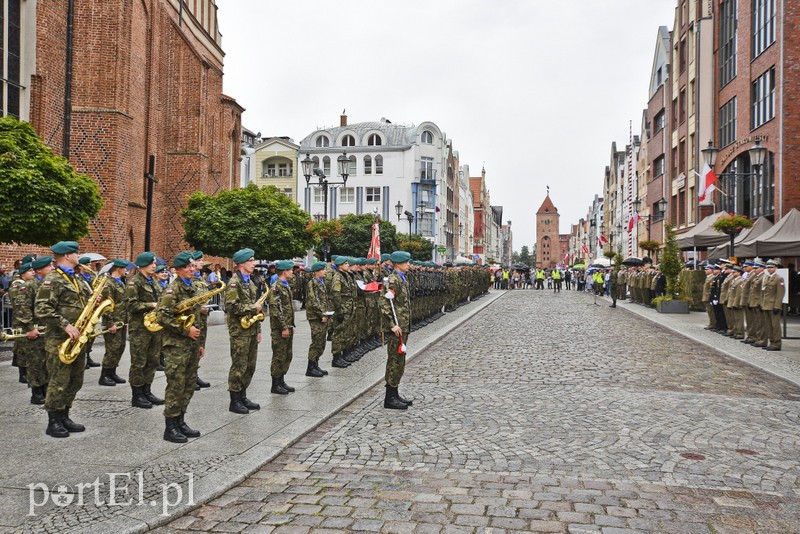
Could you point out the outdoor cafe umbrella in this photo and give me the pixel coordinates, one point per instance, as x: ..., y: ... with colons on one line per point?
x: 579, y: 266
x: 93, y: 257
x: 633, y: 261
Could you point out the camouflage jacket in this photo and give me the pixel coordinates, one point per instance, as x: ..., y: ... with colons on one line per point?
x: 177, y: 291
x: 402, y: 304
x: 316, y: 300
x: 140, y: 297
x: 342, y: 292
x: 59, y: 301
x: 23, y: 298
x: 116, y: 291
x: 281, y: 313
x: 240, y: 302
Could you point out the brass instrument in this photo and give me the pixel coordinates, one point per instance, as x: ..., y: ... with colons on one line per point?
x: 249, y: 321
x: 19, y: 333
x: 151, y: 323
x: 118, y: 324
x: 69, y: 350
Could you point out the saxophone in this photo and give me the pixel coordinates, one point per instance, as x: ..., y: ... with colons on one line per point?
x: 151, y: 323
x: 248, y: 321
x: 69, y: 350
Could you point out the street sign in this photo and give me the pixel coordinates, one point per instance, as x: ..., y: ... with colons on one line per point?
x: 441, y: 249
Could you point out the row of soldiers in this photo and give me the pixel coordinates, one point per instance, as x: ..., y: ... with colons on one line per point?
x: 745, y: 301
x: 645, y: 283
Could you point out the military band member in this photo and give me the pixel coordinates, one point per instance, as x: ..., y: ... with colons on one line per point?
x: 162, y: 276
x: 116, y: 336
x: 201, y: 321
x: 318, y: 311
x: 281, y: 323
x: 240, y: 303
x: 89, y: 277
x: 396, y: 318
x: 773, y: 288
x: 22, y: 293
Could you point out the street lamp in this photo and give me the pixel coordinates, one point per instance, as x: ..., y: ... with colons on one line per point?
x: 661, y: 207
x: 398, y: 208
x: 324, y: 183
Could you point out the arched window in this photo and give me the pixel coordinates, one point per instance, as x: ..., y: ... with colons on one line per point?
x: 374, y: 140
x: 326, y: 165
x: 378, y: 164
x: 348, y: 140
x: 367, y: 165
x: 353, y: 166
x: 315, y: 159
x: 427, y: 137
x: 323, y: 141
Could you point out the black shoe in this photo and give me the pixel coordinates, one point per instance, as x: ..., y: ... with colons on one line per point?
x: 349, y: 356
x: 312, y: 371
x: 277, y: 387
x: 391, y: 401
x: 112, y: 374
x: 149, y: 396
x: 250, y: 405
x: 90, y: 362
x: 407, y: 402
x: 185, y: 429
x: 772, y: 348
x: 287, y: 387
x: 339, y: 362
x: 69, y: 424
x: 236, y: 405
x: 172, y: 432
x: 197, y: 387
x: 202, y: 383
x: 612, y: 305
x: 106, y: 380
x: 318, y: 368
x: 138, y: 400
x: 54, y: 426
x: 23, y: 375
x: 37, y: 395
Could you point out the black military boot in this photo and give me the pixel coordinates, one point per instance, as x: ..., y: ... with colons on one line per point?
x: 90, y: 362
x: 112, y: 374
x: 391, y: 401
x: 23, y: 375
x: 172, y: 432
x: 236, y: 405
x: 149, y: 396
x: 185, y: 429
x: 349, y: 356
x: 277, y: 386
x: 37, y: 395
x: 69, y: 424
x: 313, y: 371
x: 250, y: 405
x: 286, y: 386
x: 161, y: 363
x: 407, y: 402
x: 202, y: 383
x: 321, y: 370
x: 54, y: 426
x: 138, y: 399
x: 106, y: 380
x: 338, y: 361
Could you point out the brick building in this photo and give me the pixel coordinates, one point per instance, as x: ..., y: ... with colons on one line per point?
x: 548, y: 241
x: 130, y: 80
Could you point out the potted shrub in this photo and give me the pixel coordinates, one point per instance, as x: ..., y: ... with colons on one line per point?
x: 671, y: 266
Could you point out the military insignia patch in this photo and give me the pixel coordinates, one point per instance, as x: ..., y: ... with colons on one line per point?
x: 47, y: 282
x: 233, y: 284
x: 131, y: 283
x: 23, y: 288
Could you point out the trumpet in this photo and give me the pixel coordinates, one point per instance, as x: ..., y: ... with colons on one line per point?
x: 248, y: 321
x: 19, y: 333
x: 118, y: 324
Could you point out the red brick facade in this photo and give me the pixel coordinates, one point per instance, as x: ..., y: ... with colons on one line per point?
x: 146, y: 80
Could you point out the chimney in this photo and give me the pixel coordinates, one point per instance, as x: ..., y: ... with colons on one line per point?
x: 343, y: 119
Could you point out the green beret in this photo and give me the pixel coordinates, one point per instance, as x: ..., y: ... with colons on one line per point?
x: 29, y: 258
x: 361, y: 261
x: 161, y: 268
x: 317, y: 266
x: 333, y: 257
x: 64, y: 247
x: 197, y: 254
x: 372, y: 261
x: 243, y: 255
x: 41, y: 262
x: 146, y: 258
x: 385, y: 257
x: 400, y: 256
x: 283, y: 265
x: 341, y: 260
x: 119, y: 262
x: 83, y: 261
x: 182, y: 259
x: 25, y: 267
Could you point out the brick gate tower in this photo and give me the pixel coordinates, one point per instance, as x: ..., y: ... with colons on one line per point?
x: 547, y: 245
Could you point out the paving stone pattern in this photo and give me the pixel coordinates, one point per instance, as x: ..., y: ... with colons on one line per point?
x: 544, y: 413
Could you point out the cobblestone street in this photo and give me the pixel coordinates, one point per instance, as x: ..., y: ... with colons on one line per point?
x: 543, y: 413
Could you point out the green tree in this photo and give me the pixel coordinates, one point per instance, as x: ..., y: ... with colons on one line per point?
x: 671, y: 264
x: 263, y: 219
x: 42, y: 198
x: 515, y: 257
x: 525, y: 256
x: 420, y: 248
x: 357, y: 236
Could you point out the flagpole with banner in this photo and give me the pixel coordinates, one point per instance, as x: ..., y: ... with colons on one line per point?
x: 375, y: 252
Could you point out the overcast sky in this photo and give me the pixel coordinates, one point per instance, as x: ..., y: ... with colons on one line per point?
x: 536, y: 91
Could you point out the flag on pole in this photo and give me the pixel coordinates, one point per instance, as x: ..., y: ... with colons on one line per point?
x: 707, y: 181
x: 633, y: 221
x: 585, y: 249
x: 602, y: 239
x: 375, y: 244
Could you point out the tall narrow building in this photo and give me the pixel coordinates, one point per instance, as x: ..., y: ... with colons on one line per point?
x: 547, y: 245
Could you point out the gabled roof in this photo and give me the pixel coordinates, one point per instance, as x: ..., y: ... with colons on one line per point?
x: 547, y: 206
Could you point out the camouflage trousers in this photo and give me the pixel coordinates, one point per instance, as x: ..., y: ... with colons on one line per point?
x: 65, y: 379
x: 395, y: 363
x: 281, y: 352
x: 182, y: 356
x: 341, y: 335
x: 115, y: 346
x: 31, y: 354
x: 244, y: 354
x: 145, y: 350
x: 319, y: 331
x: 360, y: 324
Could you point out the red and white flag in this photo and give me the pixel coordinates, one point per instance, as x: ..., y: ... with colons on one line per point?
x: 707, y: 181
x: 375, y: 244
x: 585, y: 249
x: 633, y: 222
x: 602, y: 240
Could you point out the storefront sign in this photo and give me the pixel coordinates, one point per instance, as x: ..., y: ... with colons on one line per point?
x: 736, y: 145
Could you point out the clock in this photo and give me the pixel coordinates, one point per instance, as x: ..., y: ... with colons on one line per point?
x: 546, y: 221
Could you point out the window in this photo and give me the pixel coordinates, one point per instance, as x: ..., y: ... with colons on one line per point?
x: 427, y: 138
x: 658, y: 122
x: 269, y: 170
x: 378, y: 164
x: 315, y: 159
x: 348, y: 140
x: 347, y: 195
x: 323, y: 141
x: 682, y: 54
x: 763, y: 25
x: 326, y: 165
x: 373, y: 194
x: 319, y: 195
x: 353, y: 167
x: 674, y: 114
x: 681, y: 157
x: 288, y: 192
x: 367, y: 164
x: 727, y: 42
x: 692, y: 96
x: 374, y: 140
x: 727, y: 123
x: 683, y: 105
x: 284, y: 170
x: 426, y: 169
x: 763, y: 99
x: 10, y: 57
x: 658, y: 166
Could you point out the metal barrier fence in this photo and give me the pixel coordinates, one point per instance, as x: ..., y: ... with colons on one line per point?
x: 5, y: 313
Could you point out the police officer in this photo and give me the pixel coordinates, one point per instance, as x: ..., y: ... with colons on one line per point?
x: 396, y: 312
x: 318, y: 310
x: 116, y: 336
x: 281, y: 324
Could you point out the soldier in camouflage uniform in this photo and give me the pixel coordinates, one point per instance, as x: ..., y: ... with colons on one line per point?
x: 89, y: 277
x: 396, y: 318
x: 37, y: 358
x: 373, y: 314
x: 755, y: 336
x: 281, y: 324
x: 141, y: 297
x: 59, y: 302
x: 342, y: 297
x: 318, y: 310
x: 201, y: 321
x: 241, y: 303
x: 182, y: 350
x: 23, y: 298
x: 116, y: 336
x: 162, y: 277
x: 359, y: 327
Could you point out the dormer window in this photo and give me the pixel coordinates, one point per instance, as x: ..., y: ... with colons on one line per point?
x: 323, y: 141
x: 348, y: 140
x: 374, y: 140
x: 427, y: 138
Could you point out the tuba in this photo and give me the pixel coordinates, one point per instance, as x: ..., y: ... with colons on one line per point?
x: 151, y: 323
x: 69, y: 350
x: 250, y: 320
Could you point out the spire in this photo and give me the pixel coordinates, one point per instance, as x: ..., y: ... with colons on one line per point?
x: 547, y: 206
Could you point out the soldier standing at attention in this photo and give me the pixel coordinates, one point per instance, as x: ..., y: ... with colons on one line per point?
x: 162, y: 276
x: 706, y: 298
x: 115, y: 338
x: 317, y: 308
x: 37, y: 359
x: 182, y: 350
x: 22, y: 293
x: 141, y: 297
x: 59, y: 302
x: 201, y: 321
x: 396, y: 316
x: 281, y: 322
x: 773, y: 288
x: 240, y: 303
x: 339, y: 292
